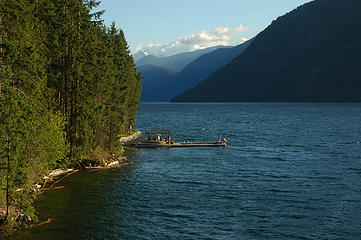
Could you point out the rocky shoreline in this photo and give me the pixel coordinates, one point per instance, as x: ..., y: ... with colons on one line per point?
x: 130, y: 138
x: 112, y: 162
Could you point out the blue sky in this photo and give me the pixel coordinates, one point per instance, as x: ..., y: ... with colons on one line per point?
x: 167, y: 27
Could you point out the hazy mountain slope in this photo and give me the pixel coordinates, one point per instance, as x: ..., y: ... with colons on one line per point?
x: 176, y: 62
x: 139, y: 55
x: 158, y: 79
x: 151, y: 60
x: 206, y: 65
x: 157, y: 83
x: 310, y: 54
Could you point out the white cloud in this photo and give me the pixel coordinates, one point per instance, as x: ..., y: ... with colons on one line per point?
x: 200, y: 40
x: 240, y: 28
x: 243, y: 40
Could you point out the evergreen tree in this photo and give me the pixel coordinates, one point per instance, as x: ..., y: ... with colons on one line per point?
x: 68, y: 88
x: 31, y: 136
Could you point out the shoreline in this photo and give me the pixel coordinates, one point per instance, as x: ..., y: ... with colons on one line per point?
x: 117, y: 161
x: 137, y: 134
x: 51, y: 181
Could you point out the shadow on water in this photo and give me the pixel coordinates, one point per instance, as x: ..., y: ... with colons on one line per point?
x: 89, y: 206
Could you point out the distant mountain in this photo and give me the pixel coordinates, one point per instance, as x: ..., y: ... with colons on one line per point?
x: 311, y: 54
x: 206, y: 65
x: 152, y: 60
x: 170, y: 83
x: 157, y: 83
x: 139, y: 55
x: 176, y: 62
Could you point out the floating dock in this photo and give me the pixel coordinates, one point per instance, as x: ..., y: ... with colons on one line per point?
x: 178, y: 144
x: 155, y: 140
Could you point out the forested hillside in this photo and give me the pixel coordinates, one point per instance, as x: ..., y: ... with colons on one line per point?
x: 68, y: 88
x: 311, y: 54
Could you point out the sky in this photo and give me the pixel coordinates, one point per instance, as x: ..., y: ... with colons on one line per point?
x: 168, y: 27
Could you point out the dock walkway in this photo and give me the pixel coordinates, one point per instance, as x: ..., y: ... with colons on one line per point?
x: 179, y: 144
x: 155, y: 140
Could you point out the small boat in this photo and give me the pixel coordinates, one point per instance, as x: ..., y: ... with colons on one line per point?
x: 155, y: 139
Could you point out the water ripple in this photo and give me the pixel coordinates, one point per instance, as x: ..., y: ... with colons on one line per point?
x: 291, y: 171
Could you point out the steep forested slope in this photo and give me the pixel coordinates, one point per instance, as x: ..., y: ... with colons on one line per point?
x: 310, y: 54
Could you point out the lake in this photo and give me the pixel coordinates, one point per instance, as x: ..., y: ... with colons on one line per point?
x: 290, y: 171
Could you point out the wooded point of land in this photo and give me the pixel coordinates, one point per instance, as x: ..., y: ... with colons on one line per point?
x: 68, y: 89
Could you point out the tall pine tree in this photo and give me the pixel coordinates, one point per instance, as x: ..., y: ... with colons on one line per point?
x: 68, y: 88
x: 32, y: 140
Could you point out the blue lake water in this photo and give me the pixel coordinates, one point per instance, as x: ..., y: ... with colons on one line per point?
x: 291, y: 171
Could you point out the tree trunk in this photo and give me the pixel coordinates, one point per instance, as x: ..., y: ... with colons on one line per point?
x: 7, y: 182
x: 110, y: 135
x: 1, y: 48
x: 8, y: 157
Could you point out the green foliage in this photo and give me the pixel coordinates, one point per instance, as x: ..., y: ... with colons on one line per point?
x: 68, y: 87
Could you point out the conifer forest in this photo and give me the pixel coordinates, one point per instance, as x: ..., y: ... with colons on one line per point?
x: 68, y: 89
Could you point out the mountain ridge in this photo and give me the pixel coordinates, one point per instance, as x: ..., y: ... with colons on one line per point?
x: 157, y: 85
x: 308, y: 55
x: 162, y: 84
x: 206, y: 65
x: 178, y: 61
